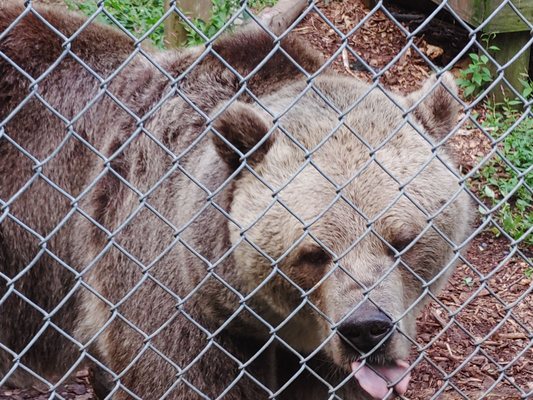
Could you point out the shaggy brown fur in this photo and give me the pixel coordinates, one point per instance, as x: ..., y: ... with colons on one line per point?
x: 115, y: 241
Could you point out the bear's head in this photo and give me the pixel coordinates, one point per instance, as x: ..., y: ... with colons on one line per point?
x: 347, y: 214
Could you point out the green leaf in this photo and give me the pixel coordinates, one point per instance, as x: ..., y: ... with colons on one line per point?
x: 468, y: 281
x: 489, y: 192
x: 469, y: 90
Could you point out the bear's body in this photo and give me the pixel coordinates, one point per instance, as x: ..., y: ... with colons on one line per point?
x: 128, y: 234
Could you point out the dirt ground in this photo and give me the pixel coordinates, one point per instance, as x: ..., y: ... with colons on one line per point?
x: 475, y: 340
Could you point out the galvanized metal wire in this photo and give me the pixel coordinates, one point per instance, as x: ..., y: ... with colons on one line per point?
x: 516, y: 246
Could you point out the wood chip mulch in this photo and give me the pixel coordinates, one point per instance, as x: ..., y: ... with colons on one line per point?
x: 479, y: 333
x: 77, y: 389
x: 379, y: 42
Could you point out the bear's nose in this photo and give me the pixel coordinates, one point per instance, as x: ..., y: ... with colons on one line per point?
x: 366, y: 327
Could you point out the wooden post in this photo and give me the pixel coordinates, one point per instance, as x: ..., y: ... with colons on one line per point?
x: 278, y: 18
x: 510, y: 43
x: 175, y: 33
x: 282, y: 15
x: 511, y: 35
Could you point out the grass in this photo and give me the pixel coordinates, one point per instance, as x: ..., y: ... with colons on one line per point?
x: 140, y: 16
x: 137, y: 16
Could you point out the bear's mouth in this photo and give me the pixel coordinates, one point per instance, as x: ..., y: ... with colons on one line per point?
x: 376, y: 380
x: 377, y: 371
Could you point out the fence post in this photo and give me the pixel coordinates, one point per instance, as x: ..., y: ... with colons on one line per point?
x: 175, y: 33
x: 511, y: 43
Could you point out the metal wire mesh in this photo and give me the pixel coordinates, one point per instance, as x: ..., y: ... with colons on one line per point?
x: 144, y: 214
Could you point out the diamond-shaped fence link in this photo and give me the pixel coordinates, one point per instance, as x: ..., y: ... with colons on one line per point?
x: 245, y: 219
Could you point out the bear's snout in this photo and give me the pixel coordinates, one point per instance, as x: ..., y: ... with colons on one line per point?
x: 366, y: 328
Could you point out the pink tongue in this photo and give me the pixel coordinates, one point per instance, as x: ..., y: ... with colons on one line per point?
x: 375, y: 385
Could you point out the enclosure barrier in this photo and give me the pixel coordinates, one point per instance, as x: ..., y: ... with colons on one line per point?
x: 490, y: 358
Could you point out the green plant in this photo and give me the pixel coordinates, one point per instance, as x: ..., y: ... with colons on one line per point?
x: 508, y: 175
x: 220, y: 14
x: 468, y: 281
x: 258, y: 5
x: 137, y: 16
x: 476, y: 77
x: 527, y: 85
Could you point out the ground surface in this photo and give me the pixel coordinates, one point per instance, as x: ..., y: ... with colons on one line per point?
x: 475, y: 340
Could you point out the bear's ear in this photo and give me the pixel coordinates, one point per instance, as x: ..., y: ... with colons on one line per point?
x: 242, y: 126
x: 438, y: 109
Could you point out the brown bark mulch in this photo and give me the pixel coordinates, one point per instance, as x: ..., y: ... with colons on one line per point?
x: 78, y: 389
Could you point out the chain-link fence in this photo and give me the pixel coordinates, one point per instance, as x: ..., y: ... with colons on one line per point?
x: 306, y: 211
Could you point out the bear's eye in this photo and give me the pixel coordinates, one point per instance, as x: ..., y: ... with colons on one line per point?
x: 314, y: 256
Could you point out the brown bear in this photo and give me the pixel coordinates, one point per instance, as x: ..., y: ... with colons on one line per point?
x: 227, y: 221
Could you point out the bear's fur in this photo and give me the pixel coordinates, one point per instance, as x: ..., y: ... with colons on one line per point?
x: 188, y: 227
